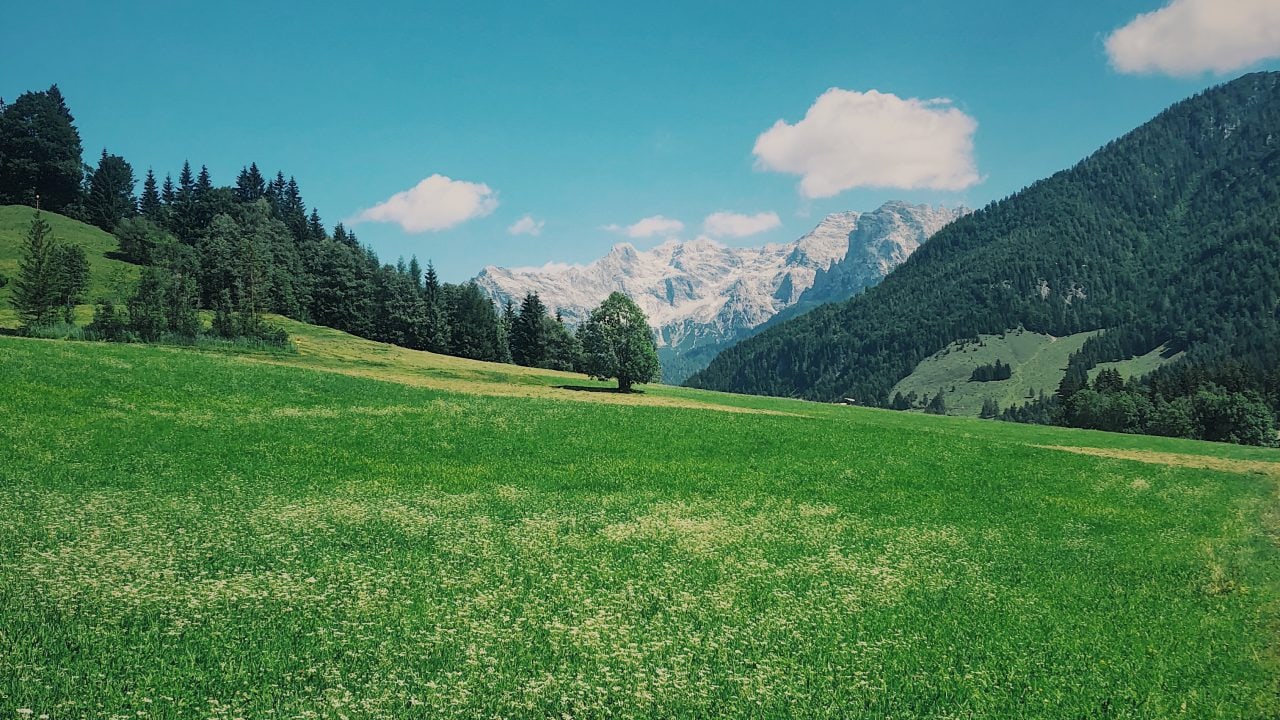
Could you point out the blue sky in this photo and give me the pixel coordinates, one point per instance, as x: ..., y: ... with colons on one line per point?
x: 587, y: 116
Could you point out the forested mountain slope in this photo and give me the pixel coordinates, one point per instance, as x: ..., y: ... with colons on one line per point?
x: 1170, y: 234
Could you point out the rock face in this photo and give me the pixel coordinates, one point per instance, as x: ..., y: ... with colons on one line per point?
x: 702, y: 296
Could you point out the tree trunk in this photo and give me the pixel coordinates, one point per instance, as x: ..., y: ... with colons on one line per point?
x: 624, y: 385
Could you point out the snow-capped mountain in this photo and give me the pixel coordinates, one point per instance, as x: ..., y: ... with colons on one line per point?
x: 702, y: 296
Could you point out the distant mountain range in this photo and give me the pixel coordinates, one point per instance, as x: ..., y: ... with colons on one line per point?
x: 1167, y: 237
x: 702, y: 296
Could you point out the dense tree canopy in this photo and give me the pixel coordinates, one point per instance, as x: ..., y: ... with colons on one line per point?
x: 40, y: 152
x: 617, y: 343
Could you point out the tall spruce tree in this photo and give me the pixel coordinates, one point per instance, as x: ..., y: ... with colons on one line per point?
x: 111, y: 198
x: 168, y: 195
x: 436, y: 331
x: 529, y: 333
x: 564, y: 351
x: 35, y: 289
x: 149, y: 203
x: 473, y: 324
x: 250, y: 185
x: 70, y: 278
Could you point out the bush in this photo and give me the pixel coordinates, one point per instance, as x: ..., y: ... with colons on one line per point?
x: 56, y: 331
x: 109, y: 322
x: 1224, y: 416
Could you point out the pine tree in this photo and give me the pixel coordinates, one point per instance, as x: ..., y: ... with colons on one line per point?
x: 71, y: 278
x: 250, y: 185
x: 473, y: 324
x: 186, y: 182
x: 507, y: 324
x: 202, y: 203
x: 182, y: 216
x: 529, y: 333
x: 168, y: 195
x: 936, y: 405
x: 204, y: 184
x: 315, y: 227
x: 149, y: 204
x: 415, y: 273
x: 564, y: 351
x: 437, y: 322
x: 110, y: 197
x: 35, y: 289
x: 990, y: 409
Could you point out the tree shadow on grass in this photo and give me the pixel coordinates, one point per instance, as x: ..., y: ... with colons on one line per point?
x: 593, y: 388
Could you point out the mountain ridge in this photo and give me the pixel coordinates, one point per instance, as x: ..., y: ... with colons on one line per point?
x: 702, y: 295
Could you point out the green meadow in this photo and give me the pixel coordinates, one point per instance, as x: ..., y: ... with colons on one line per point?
x: 1039, y: 362
x: 357, y: 530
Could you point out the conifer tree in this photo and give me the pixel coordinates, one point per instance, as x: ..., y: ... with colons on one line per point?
x: 436, y: 333
x: 529, y: 333
x: 990, y: 409
x: 936, y: 405
x: 186, y: 181
x: 71, y: 278
x: 168, y: 195
x: 110, y: 197
x: 564, y: 351
x: 315, y: 227
x: 149, y: 204
x: 250, y: 185
x: 35, y: 291
x: 415, y: 272
x: 473, y: 324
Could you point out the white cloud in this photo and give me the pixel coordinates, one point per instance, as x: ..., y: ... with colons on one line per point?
x: 436, y: 203
x: 527, y: 226
x: 648, y: 227
x: 851, y: 139
x: 1189, y: 37
x: 731, y: 224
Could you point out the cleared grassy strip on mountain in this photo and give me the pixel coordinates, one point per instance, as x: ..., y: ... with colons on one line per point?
x: 1039, y: 362
x: 1139, y: 366
x: 186, y: 533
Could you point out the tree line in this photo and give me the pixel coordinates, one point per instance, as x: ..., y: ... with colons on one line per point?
x: 1221, y: 404
x: 254, y: 247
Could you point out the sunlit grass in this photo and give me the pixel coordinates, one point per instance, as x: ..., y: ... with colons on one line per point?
x: 362, y: 531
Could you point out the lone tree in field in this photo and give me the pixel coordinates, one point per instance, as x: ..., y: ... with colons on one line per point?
x: 617, y: 343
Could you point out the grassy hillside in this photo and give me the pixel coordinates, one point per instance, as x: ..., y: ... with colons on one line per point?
x: 1138, y: 366
x: 108, y: 277
x: 360, y: 530
x: 1039, y: 362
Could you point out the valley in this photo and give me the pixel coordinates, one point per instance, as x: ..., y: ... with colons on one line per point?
x: 359, y: 529
x: 702, y: 296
